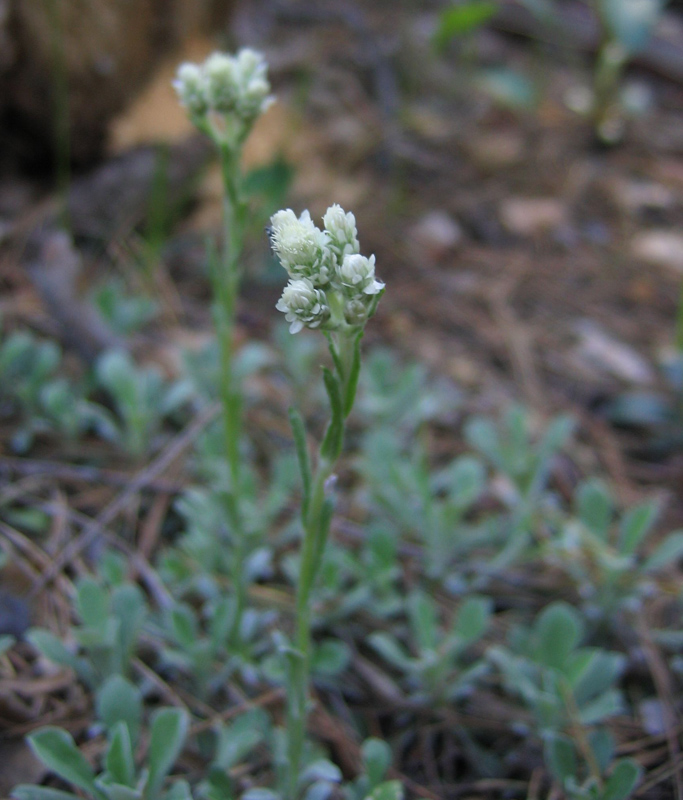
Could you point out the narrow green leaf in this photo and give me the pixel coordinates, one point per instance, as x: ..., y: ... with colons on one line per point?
x: 335, y: 355
x: 331, y: 445
x: 422, y: 614
x: 352, y: 379
x: 169, y: 729
x: 595, y: 507
x: 179, y: 791
x: 608, y: 704
x: 635, y: 525
x: 184, y: 626
x: 472, y: 619
x: 602, y: 744
x: 28, y: 792
x: 390, y: 650
x: 303, y: 459
x: 129, y: 605
x: 57, y: 750
x: 51, y: 647
x: 238, y: 739
x: 117, y: 791
x: 119, y: 760
x: 667, y: 554
x: 463, y: 19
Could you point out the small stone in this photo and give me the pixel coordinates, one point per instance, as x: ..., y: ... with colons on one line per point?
x: 435, y: 235
x: 530, y: 216
x: 496, y: 150
x: 660, y: 247
x: 636, y: 195
x: 600, y: 351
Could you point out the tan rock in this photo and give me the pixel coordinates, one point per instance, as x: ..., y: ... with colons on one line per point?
x: 529, y: 216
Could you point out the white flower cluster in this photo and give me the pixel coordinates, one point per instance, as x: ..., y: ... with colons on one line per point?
x: 231, y: 87
x: 332, y: 286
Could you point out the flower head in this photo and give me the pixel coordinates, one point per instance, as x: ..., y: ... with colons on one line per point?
x: 332, y: 285
x: 300, y: 246
x: 303, y: 304
x: 233, y: 88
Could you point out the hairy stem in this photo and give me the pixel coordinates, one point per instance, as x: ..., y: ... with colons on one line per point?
x: 226, y: 283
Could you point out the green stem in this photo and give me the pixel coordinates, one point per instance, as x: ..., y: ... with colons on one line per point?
x: 316, y: 527
x: 226, y: 283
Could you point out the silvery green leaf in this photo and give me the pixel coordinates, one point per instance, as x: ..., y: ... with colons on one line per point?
x: 260, y: 793
x: 320, y: 790
x: 595, y: 507
x: 422, y: 613
x: 169, y: 729
x: 635, y: 525
x: 57, y: 750
x: 118, y: 700
x: 389, y: 790
x: 92, y: 602
x: 472, y: 619
x: 390, y: 650
x: 622, y: 781
x: 28, y: 792
x: 119, y: 759
x: 321, y: 770
x: 560, y: 756
x: 116, y: 791
x: 598, y: 672
x: 667, y: 554
x: 559, y: 629
x: 377, y: 758
x: 602, y: 744
x: 608, y: 704
x: 237, y: 740
x: 631, y: 22
x: 330, y: 658
x: 184, y: 626
x: 180, y: 790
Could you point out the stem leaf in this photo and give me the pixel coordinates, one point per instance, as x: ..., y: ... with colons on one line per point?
x: 299, y: 432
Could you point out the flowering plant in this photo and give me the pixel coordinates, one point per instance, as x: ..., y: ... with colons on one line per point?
x: 333, y: 288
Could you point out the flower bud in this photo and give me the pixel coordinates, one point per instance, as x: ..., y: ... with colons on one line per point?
x: 356, y: 310
x: 189, y: 85
x: 221, y: 75
x: 303, y: 305
x: 342, y: 233
x: 357, y: 274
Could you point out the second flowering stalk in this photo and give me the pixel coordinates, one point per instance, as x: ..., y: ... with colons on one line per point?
x: 224, y: 96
